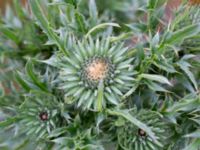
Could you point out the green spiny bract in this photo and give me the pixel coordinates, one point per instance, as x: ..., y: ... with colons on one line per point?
x: 131, y: 137
x: 96, y: 68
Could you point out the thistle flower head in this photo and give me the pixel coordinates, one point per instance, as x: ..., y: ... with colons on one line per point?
x: 132, y: 137
x: 39, y: 115
x: 96, y: 69
x: 97, y: 73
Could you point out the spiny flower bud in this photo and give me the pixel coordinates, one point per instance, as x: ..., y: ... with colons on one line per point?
x: 130, y: 137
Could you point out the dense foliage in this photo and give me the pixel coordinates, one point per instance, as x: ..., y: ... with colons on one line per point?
x: 100, y: 75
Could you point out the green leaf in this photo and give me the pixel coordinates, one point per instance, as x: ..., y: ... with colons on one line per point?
x: 185, y: 67
x: 121, y: 37
x: 93, y: 10
x: 80, y: 21
x: 186, y: 32
x: 22, y: 82
x: 72, y: 2
x: 34, y: 77
x: 45, y: 25
x: 125, y: 114
x: 155, y: 87
x: 195, y: 134
x: 162, y: 64
x: 19, y: 9
x: 135, y: 86
x: 9, y: 34
x: 57, y: 132
x: 155, y: 40
x: 63, y: 140
x: 8, y: 122
x: 100, y: 95
x: 184, y: 105
x: 157, y: 78
x: 152, y: 4
x: 100, y: 26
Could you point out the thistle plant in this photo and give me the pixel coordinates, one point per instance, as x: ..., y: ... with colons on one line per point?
x: 77, y: 75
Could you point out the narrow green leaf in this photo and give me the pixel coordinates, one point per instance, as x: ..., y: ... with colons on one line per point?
x: 122, y: 36
x: 19, y: 9
x: 186, y: 32
x: 195, y: 134
x: 45, y: 25
x: 165, y: 66
x: 157, y: 78
x: 155, y: 40
x: 9, y: 34
x: 8, y: 122
x: 155, y: 87
x: 57, y: 132
x: 63, y: 140
x: 184, y: 105
x: 100, y: 26
x: 135, y: 86
x: 100, y: 95
x: 80, y: 21
x: 22, y: 82
x: 34, y: 78
x: 152, y: 4
x: 185, y: 67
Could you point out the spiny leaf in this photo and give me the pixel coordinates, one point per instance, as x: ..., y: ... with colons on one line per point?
x: 57, y: 132
x: 184, y: 105
x: 43, y: 22
x: 135, y: 86
x: 154, y: 86
x: 185, y: 67
x: 186, y: 32
x: 155, y: 77
x: 34, y: 78
x: 8, y: 122
x: 22, y: 82
x: 80, y: 21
